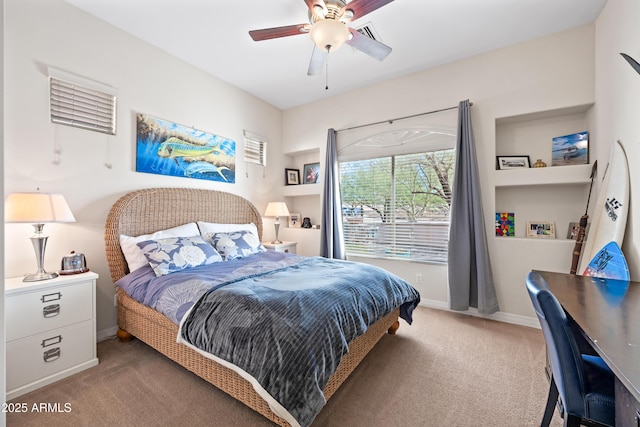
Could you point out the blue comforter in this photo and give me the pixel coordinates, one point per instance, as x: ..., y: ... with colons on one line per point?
x: 286, y: 324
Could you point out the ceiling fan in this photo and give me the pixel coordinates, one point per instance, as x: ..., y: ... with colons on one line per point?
x: 328, y: 29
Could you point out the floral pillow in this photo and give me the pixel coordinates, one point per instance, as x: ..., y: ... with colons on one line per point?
x: 236, y: 245
x: 173, y: 254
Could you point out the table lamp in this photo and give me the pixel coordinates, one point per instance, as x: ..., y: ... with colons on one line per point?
x: 276, y: 209
x: 37, y: 208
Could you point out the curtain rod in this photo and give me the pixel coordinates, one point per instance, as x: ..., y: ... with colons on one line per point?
x: 390, y: 121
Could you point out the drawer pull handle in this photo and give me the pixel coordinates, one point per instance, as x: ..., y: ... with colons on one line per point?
x: 51, y: 297
x: 51, y: 341
x: 51, y: 310
x: 51, y: 355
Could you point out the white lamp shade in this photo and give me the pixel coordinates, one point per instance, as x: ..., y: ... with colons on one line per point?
x: 37, y: 208
x: 329, y: 32
x: 276, y: 209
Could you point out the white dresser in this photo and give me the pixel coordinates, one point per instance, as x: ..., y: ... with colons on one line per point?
x: 50, y: 330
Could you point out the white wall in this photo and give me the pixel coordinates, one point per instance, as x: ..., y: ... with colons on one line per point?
x: 41, y: 33
x: 618, y: 105
x: 3, y: 369
x: 544, y: 74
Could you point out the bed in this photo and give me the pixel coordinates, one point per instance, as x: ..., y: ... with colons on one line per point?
x: 146, y: 211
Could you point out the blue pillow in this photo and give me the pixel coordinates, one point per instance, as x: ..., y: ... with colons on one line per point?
x: 236, y: 244
x: 173, y: 254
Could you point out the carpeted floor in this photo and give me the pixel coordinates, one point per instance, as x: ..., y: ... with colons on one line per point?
x: 447, y: 369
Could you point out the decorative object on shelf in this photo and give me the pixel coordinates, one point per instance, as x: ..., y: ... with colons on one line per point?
x: 306, y: 222
x: 292, y: 176
x: 311, y: 173
x: 294, y: 220
x: 167, y: 148
x: 570, y: 149
x: 505, y: 224
x: 37, y: 208
x: 541, y: 229
x: 513, y: 162
x: 631, y: 62
x: 539, y: 164
x: 276, y: 209
x: 574, y: 228
x: 73, y: 263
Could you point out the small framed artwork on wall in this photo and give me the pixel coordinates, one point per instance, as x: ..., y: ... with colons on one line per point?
x: 292, y: 176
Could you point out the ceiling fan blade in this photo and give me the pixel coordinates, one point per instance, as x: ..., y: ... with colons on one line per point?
x: 312, y: 3
x: 359, y: 8
x: 369, y: 46
x: 318, y: 57
x: 273, y: 33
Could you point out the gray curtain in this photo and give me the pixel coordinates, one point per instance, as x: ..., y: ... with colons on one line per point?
x: 332, y: 236
x: 470, y: 276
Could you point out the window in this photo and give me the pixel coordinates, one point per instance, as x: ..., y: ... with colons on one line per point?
x: 397, y: 206
x: 79, y: 102
x: 255, y: 149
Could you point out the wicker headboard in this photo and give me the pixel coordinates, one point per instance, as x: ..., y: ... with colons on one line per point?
x: 153, y: 209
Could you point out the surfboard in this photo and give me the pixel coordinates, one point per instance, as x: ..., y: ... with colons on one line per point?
x: 609, y: 263
x: 611, y: 208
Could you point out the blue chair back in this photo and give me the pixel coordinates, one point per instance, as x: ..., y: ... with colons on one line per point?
x: 565, y: 359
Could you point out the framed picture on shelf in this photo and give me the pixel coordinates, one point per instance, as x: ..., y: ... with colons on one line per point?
x: 541, y: 229
x: 311, y: 173
x: 292, y: 176
x: 572, y: 232
x: 570, y: 149
x: 505, y: 224
x: 294, y: 220
x: 513, y: 162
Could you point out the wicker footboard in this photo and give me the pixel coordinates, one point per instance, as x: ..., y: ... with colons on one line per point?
x: 157, y: 331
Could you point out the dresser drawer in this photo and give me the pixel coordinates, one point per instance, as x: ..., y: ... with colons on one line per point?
x: 45, y: 354
x: 46, y: 309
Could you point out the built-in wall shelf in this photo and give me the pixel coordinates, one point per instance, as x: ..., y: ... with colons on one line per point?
x: 301, y: 190
x: 558, y: 175
x: 554, y: 194
x: 296, y: 160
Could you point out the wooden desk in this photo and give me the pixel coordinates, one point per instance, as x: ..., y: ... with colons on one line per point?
x: 608, y: 312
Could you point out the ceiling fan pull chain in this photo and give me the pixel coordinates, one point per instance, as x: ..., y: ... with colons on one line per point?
x: 326, y: 73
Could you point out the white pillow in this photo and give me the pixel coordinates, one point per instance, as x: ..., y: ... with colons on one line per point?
x: 212, y: 228
x: 134, y: 256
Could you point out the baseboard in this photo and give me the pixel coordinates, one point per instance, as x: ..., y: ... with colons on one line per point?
x: 106, y: 333
x: 515, y: 319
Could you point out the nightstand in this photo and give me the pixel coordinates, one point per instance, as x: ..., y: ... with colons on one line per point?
x: 50, y: 330
x: 289, y: 247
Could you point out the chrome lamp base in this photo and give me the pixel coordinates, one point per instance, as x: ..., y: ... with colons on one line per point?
x: 39, y: 242
x: 276, y: 224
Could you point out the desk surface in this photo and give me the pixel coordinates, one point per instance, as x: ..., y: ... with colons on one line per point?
x: 608, y: 311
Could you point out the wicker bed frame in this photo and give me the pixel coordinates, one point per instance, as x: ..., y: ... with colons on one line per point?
x: 149, y: 210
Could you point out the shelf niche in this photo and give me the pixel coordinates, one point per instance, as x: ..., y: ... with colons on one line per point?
x: 555, y: 194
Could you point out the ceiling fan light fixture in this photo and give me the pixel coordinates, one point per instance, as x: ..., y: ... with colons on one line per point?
x: 329, y: 34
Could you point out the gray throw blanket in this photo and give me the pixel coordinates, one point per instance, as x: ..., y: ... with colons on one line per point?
x: 290, y: 327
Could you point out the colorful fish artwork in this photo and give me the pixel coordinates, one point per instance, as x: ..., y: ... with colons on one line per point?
x: 167, y: 148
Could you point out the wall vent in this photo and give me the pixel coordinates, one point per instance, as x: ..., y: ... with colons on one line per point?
x: 368, y: 30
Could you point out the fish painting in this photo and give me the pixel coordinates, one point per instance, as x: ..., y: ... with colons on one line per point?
x: 175, y: 148
x: 205, y: 168
x: 167, y: 148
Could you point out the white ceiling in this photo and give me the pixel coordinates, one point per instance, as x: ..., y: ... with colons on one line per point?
x: 213, y: 35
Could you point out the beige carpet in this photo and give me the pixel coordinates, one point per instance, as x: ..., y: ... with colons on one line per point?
x: 447, y: 369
